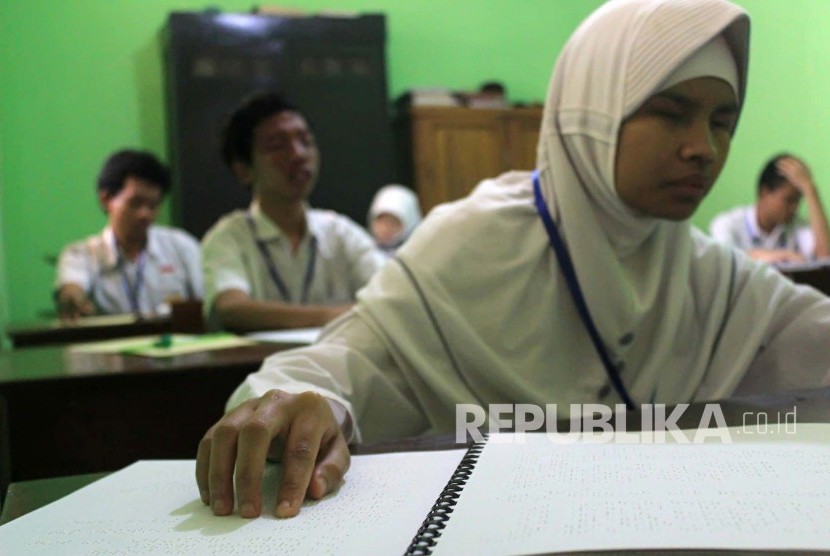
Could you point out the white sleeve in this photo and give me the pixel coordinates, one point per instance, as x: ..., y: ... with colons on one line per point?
x: 806, y: 242
x: 348, y: 364
x: 75, y: 267
x: 794, y: 354
x: 721, y: 230
x: 223, y: 265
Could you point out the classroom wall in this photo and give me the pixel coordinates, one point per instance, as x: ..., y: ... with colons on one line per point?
x: 787, y: 106
x: 82, y: 78
x: 4, y: 299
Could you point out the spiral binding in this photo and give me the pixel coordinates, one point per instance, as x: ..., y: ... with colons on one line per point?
x: 437, y: 518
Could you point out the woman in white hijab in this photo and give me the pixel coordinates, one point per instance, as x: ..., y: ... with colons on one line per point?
x: 393, y: 216
x: 583, y: 283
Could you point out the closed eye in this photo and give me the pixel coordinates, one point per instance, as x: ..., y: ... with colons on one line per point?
x: 725, y: 118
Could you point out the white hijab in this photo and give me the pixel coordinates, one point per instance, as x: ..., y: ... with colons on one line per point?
x: 596, y: 84
x: 478, y: 310
x: 402, y: 203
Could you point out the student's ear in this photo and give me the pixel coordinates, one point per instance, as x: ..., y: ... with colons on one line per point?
x: 242, y: 172
x: 104, y: 198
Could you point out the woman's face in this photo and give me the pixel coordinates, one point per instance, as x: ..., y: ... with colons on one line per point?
x: 671, y: 150
x: 386, y: 228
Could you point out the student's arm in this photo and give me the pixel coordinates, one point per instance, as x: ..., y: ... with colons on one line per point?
x: 364, y: 257
x: 794, y: 354
x: 799, y: 175
x: 772, y: 334
x: 721, y: 230
x: 74, y: 276
x: 238, y: 312
x: 776, y: 255
x: 304, y: 399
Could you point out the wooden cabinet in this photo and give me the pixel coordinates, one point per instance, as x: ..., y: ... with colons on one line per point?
x: 455, y: 148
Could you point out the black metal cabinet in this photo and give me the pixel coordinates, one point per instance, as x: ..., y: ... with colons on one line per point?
x: 333, y: 68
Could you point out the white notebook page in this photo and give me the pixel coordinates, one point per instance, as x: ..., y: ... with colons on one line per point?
x: 540, y: 497
x: 153, y: 507
x: 292, y: 336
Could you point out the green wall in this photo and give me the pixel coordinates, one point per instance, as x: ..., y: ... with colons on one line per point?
x: 786, y: 107
x: 81, y: 78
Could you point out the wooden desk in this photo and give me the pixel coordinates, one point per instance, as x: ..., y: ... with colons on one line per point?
x: 816, y: 275
x: 65, y: 413
x: 53, y: 333
x: 812, y: 406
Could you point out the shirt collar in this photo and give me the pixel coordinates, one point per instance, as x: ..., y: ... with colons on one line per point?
x: 755, y: 229
x: 266, y: 229
x: 112, y: 255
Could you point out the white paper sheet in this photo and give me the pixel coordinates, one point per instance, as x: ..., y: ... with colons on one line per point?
x: 151, y: 346
x: 538, y: 497
x: 153, y: 507
x: 293, y: 336
x: 95, y: 320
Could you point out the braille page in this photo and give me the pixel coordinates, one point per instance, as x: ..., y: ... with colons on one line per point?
x: 153, y: 507
x: 540, y: 497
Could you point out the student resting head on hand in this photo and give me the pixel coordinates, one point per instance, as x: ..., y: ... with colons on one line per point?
x: 769, y: 230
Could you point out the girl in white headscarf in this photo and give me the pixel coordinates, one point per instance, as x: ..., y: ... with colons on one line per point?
x: 582, y: 283
x: 393, y: 216
x: 478, y: 310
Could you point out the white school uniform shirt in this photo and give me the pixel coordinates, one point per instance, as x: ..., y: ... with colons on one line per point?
x: 476, y: 309
x: 169, y: 266
x: 739, y: 228
x: 345, y: 257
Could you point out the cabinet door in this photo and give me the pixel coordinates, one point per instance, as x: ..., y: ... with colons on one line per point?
x: 454, y: 149
x: 523, y: 137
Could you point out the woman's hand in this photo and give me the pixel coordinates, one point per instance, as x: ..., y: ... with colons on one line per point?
x: 299, y: 429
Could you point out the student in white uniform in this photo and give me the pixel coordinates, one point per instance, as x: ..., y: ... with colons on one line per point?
x: 133, y: 265
x: 280, y: 263
x: 393, y: 216
x: 769, y: 230
x: 484, y: 303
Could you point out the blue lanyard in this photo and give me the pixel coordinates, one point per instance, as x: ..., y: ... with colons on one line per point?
x: 272, y: 268
x: 131, y: 290
x: 567, y: 268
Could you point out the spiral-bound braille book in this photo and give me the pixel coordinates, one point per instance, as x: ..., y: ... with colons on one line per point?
x: 509, y: 494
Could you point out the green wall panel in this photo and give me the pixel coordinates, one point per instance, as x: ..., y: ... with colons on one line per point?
x: 786, y: 107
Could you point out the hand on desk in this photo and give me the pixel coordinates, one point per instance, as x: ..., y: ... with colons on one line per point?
x: 300, y: 428
x: 73, y: 303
